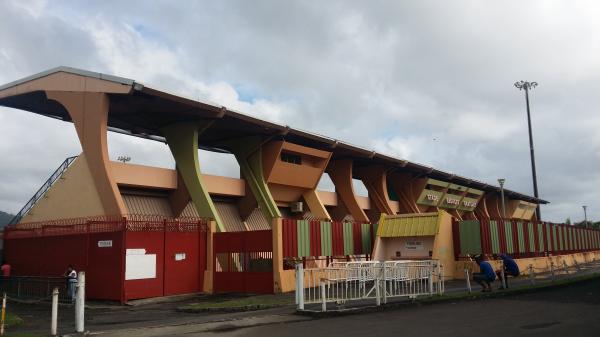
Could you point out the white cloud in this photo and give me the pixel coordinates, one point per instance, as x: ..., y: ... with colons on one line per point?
x: 424, y: 81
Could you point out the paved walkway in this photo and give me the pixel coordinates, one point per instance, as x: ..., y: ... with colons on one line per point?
x: 162, y: 319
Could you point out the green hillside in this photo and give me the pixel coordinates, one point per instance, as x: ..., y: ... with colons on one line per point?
x: 5, y: 218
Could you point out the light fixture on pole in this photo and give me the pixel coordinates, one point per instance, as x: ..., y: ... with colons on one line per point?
x: 524, y: 85
x: 124, y: 159
x: 585, y: 215
x: 501, y: 182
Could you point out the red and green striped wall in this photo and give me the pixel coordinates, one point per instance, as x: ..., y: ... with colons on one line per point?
x: 521, y: 238
x: 304, y: 238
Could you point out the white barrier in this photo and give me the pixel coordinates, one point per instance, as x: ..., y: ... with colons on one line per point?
x: 351, y: 281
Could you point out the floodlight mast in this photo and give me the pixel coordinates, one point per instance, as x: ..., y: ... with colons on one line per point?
x: 525, y: 85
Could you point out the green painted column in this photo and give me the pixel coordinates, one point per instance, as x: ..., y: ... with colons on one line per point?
x: 182, y: 139
x: 248, y: 154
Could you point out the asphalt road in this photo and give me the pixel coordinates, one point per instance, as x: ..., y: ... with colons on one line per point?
x: 569, y: 311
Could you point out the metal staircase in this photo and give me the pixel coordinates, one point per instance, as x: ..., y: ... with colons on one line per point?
x: 42, y: 191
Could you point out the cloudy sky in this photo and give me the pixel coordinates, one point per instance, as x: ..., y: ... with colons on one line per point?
x: 428, y: 81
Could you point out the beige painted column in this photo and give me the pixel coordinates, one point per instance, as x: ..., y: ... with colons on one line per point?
x: 277, y: 255
x: 89, y: 112
x: 207, y: 287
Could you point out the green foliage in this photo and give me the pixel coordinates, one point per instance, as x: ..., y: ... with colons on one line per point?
x: 5, y: 218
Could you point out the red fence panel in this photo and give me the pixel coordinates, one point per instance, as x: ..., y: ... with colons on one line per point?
x: 144, y: 243
x: 290, y: 238
x: 337, y: 238
x: 315, y: 238
x: 185, y: 254
x: 243, y: 262
x: 105, y: 270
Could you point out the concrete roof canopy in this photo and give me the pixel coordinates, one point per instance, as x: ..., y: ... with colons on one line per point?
x: 141, y: 111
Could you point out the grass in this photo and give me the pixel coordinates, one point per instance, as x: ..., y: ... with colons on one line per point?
x: 11, y: 321
x: 240, y: 303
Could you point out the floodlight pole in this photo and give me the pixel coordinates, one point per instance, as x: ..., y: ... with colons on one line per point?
x: 524, y: 85
x: 501, y: 182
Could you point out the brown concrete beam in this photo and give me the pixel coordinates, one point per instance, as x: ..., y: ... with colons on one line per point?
x: 89, y: 112
x: 340, y: 172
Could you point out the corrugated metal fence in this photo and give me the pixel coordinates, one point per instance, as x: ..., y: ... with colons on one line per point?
x: 314, y: 238
x: 100, y: 247
x: 521, y: 238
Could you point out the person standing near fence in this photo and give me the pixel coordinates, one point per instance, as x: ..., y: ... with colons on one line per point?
x: 486, y: 275
x: 511, y: 268
x: 71, y: 276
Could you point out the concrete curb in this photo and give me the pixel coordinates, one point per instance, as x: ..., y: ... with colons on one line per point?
x: 253, y: 307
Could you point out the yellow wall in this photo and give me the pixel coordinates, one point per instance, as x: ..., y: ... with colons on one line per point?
x: 71, y: 196
x: 540, y: 264
x: 443, y: 248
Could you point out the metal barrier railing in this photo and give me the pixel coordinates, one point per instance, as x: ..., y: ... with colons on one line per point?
x: 351, y: 281
x: 34, y: 288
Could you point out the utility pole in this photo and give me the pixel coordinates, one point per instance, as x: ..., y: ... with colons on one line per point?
x: 524, y: 85
x: 585, y: 216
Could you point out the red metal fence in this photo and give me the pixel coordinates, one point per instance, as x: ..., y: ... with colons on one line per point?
x: 100, y: 247
x: 243, y: 262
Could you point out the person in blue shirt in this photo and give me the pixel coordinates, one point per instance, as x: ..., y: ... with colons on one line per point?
x: 511, y: 268
x: 486, y: 275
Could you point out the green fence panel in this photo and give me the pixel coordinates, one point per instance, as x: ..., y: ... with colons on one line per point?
x: 531, y: 238
x: 554, y: 238
x: 540, y: 229
x: 521, y: 237
x: 509, y: 238
x: 495, y: 237
x: 348, y: 239
x: 561, y: 238
x: 571, y: 239
x: 470, y: 237
x: 365, y: 230
x: 326, y: 245
x: 303, y: 229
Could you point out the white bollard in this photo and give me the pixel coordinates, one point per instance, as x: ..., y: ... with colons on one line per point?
x: 377, y: 293
x: 300, y: 286
x: 3, y: 315
x: 468, y: 279
x: 80, y: 303
x: 384, y: 282
x: 323, y: 297
x: 531, y: 275
x: 54, y: 323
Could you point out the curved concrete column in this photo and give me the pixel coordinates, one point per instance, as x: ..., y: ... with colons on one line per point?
x: 375, y: 180
x: 340, y: 172
x: 182, y: 139
x: 89, y: 112
x: 248, y: 154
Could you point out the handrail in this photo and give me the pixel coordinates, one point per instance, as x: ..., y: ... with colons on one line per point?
x: 43, y: 189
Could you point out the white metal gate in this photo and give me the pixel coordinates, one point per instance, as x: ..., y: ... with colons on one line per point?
x: 352, y: 281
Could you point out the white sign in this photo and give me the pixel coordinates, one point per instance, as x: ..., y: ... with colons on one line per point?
x: 179, y: 256
x: 139, y: 267
x: 413, y: 245
x: 135, y: 251
x: 105, y: 243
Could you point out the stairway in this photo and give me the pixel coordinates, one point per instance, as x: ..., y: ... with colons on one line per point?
x: 42, y: 190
